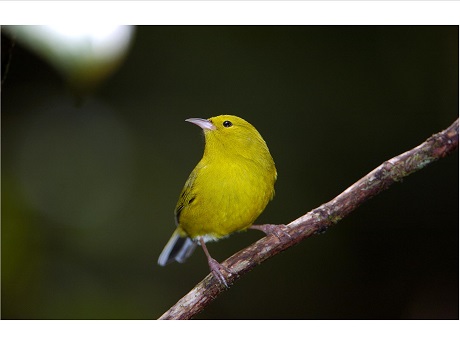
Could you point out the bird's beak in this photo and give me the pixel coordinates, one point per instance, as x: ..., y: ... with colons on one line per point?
x: 204, y: 124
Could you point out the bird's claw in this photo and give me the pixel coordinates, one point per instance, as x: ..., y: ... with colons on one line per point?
x: 280, y: 231
x: 216, y: 270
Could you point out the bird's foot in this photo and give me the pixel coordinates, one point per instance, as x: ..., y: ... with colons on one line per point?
x: 216, y: 270
x: 279, y: 230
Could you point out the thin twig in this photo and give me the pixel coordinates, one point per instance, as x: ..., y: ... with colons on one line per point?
x: 319, y: 219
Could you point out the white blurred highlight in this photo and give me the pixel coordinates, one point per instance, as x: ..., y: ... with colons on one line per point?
x: 84, y: 54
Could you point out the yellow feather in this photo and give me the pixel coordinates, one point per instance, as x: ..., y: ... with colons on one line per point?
x: 228, y: 189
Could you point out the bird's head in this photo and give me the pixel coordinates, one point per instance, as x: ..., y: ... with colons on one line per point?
x: 229, y: 134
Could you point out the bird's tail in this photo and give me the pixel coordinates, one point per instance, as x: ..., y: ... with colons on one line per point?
x: 177, y: 249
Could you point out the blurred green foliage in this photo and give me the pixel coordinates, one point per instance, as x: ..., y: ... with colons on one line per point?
x: 88, y: 190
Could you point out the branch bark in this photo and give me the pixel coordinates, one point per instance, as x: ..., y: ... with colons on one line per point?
x: 437, y: 146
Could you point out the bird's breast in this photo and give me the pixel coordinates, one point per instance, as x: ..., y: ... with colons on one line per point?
x: 229, y: 196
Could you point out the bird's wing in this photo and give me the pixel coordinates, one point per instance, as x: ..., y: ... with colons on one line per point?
x: 186, y: 196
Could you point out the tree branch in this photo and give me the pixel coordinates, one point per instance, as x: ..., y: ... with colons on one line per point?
x: 437, y: 146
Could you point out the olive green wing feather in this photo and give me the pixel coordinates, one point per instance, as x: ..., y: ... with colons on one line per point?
x: 186, y: 196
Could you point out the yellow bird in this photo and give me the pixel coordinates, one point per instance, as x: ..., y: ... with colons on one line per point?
x: 228, y: 189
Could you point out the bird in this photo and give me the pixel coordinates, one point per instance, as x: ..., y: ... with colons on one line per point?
x: 225, y: 193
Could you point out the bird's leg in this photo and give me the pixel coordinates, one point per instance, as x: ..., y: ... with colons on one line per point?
x: 215, y: 267
x: 280, y: 231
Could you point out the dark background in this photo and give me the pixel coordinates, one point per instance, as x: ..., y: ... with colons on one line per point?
x: 88, y: 190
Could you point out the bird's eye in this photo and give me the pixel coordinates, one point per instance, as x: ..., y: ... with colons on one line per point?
x: 227, y: 124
